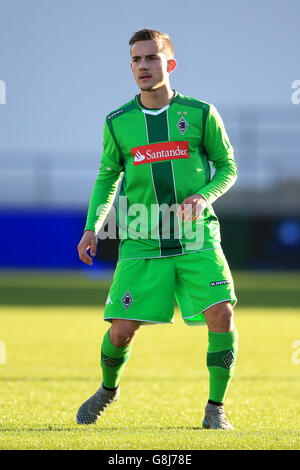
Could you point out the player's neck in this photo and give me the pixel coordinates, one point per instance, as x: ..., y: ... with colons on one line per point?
x: 157, y: 99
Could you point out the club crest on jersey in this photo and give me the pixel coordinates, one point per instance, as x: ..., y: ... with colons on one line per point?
x: 182, y: 125
x: 160, y: 152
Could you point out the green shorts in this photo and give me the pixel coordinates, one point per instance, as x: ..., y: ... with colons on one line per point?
x: 145, y: 289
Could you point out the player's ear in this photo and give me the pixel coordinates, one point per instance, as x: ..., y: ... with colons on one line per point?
x: 171, y: 65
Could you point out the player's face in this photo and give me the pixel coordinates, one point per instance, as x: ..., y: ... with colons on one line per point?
x: 150, y: 66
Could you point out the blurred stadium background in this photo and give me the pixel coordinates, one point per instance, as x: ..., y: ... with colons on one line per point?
x: 65, y: 66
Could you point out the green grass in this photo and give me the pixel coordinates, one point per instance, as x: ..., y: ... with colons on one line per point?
x: 50, y: 288
x: 52, y: 366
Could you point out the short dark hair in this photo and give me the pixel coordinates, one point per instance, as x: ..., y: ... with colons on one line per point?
x: 150, y: 35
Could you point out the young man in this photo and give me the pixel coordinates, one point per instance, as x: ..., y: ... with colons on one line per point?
x: 162, y: 142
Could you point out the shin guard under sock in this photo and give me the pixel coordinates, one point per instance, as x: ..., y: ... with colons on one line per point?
x: 113, y: 361
x: 221, y: 358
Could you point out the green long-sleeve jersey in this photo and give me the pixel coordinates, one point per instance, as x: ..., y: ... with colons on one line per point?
x: 163, y: 156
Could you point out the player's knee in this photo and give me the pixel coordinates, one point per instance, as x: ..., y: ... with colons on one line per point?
x: 122, y: 332
x: 224, y: 316
x: 220, y: 317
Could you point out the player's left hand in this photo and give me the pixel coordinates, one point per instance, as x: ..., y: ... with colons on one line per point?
x: 192, y: 207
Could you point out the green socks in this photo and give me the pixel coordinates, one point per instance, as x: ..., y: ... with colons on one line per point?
x: 113, y: 361
x: 221, y: 358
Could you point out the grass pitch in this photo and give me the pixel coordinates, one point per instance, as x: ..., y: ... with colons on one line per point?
x: 52, y: 366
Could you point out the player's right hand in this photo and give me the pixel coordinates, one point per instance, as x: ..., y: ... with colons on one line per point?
x: 88, y: 241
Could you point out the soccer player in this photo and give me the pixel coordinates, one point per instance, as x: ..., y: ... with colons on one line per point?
x: 161, y: 142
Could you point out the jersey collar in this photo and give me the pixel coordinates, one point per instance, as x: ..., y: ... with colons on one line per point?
x: 152, y: 111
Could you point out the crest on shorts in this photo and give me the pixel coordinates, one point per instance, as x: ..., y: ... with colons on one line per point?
x: 127, y: 300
